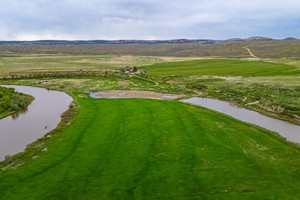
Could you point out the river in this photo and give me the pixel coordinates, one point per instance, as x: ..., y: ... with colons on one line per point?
x: 287, y: 130
x: 40, y: 117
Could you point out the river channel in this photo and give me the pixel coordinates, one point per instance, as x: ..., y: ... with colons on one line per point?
x: 41, y: 116
x: 287, y: 130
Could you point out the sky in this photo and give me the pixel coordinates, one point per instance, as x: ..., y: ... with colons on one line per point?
x: 148, y: 19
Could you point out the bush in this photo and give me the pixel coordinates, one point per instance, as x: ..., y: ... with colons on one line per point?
x: 11, y: 100
x: 8, y: 158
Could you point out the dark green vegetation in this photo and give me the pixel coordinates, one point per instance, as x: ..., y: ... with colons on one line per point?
x: 148, y: 149
x: 221, y: 67
x: 11, y: 101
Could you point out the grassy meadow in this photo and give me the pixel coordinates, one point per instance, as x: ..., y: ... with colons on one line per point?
x: 271, y: 87
x: 11, y: 63
x: 153, y: 149
x: 222, y: 67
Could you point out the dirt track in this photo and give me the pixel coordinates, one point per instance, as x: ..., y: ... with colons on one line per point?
x: 250, y: 53
x: 134, y: 94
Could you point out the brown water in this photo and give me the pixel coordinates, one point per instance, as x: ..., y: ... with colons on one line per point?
x: 40, y: 117
x: 287, y: 130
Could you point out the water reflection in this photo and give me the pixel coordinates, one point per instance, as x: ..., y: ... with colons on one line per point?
x: 16, y: 114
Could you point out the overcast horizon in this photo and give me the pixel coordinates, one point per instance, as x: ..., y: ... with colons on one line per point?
x: 147, y: 20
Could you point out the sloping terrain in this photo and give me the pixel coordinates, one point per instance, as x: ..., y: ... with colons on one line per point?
x: 229, y: 49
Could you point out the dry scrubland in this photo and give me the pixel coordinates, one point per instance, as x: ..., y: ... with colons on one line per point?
x: 230, y: 49
x: 24, y: 63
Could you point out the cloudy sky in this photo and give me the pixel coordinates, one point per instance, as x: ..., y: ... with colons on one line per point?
x: 148, y: 19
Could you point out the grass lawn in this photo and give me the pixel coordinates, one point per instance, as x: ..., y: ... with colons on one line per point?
x: 151, y: 149
x: 221, y: 67
x: 5, y: 113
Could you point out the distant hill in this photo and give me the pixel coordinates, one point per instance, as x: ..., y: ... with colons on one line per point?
x: 234, y: 40
x: 290, y: 38
x: 261, y: 47
x: 258, y: 38
x: 74, y: 42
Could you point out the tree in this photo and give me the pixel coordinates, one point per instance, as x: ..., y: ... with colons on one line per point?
x: 8, y: 158
x: 134, y: 68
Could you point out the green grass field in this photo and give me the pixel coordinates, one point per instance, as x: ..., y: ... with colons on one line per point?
x: 271, y: 87
x: 221, y: 67
x: 150, y: 149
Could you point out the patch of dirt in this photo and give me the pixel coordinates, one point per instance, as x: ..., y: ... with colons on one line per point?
x: 271, y: 108
x: 123, y: 84
x: 228, y: 78
x: 252, y: 103
x: 135, y: 94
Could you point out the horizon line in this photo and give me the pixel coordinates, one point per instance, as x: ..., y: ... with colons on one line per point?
x: 191, y: 39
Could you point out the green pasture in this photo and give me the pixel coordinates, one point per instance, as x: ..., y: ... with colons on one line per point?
x: 221, y: 67
x: 151, y: 149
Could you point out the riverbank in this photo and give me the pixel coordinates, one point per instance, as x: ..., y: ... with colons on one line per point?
x: 11, y: 101
x: 286, y: 130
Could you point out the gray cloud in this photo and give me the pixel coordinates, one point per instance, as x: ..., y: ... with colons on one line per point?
x: 147, y: 19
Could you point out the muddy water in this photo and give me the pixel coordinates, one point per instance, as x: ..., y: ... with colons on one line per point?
x: 41, y: 116
x: 287, y: 130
